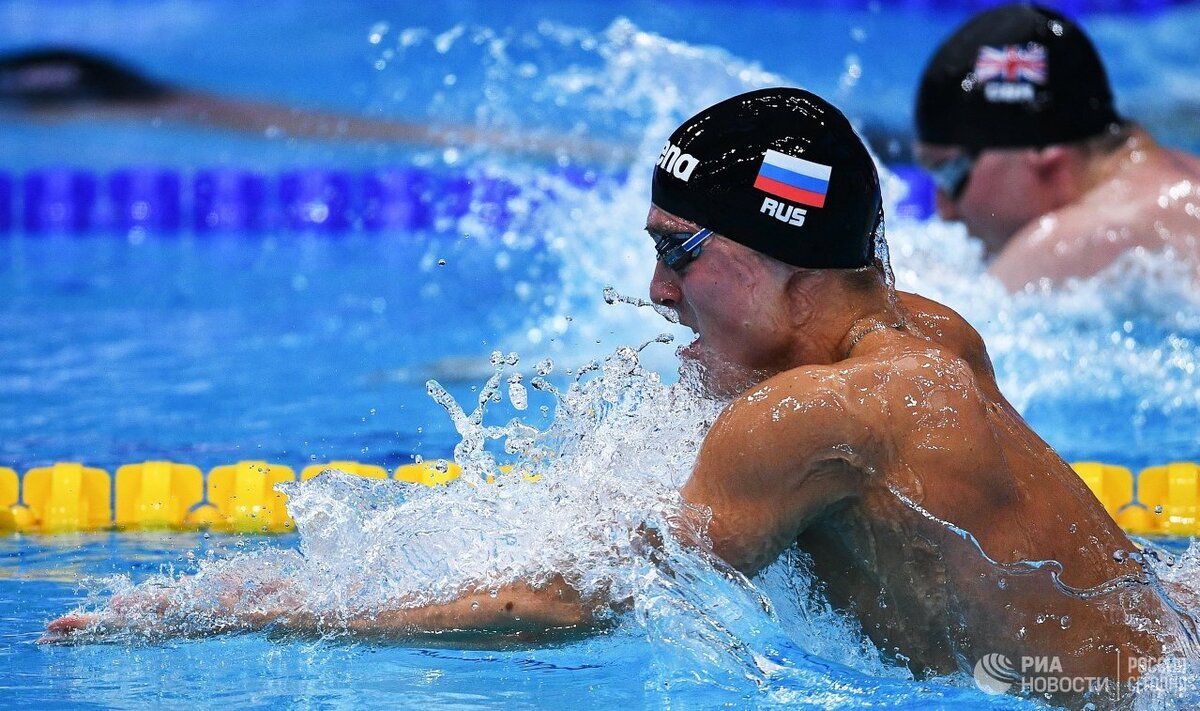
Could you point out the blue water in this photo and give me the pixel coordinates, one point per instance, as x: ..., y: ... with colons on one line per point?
x: 306, y: 347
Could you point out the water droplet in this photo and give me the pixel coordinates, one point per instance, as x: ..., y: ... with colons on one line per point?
x: 378, y: 30
x: 517, y: 392
x: 1158, y: 509
x: 1065, y: 621
x: 441, y: 262
x: 475, y: 605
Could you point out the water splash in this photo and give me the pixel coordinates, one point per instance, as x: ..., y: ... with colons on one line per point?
x: 612, y: 297
x: 623, y: 440
x: 1122, y: 345
x: 608, y: 470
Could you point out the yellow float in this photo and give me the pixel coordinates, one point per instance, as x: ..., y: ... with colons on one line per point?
x: 155, y: 495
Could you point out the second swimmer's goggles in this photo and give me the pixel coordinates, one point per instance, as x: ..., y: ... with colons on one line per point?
x: 951, y: 176
x: 679, y: 249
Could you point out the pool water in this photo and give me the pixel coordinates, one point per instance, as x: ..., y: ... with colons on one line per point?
x: 302, y: 346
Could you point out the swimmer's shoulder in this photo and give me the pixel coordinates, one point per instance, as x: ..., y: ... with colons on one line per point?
x: 956, y: 339
x: 947, y: 330
x: 1188, y: 163
x: 1084, y: 238
x: 807, y: 408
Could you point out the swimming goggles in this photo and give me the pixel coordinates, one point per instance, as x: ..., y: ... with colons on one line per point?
x: 951, y: 176
x: 679, y: 249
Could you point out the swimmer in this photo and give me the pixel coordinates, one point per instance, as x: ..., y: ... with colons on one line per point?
x: 57, y: 84
x: 1015, y: 121
x: 864, y: 428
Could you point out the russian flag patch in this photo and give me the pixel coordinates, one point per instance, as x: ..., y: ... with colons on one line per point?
x: 793, y: 179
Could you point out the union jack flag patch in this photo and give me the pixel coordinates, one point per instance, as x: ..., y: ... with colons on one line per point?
x: 1012, y: 63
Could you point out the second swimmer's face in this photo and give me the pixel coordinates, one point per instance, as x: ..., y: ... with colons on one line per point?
x: 996, y: 193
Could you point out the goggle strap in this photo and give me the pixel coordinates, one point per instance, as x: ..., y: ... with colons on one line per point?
x: 695, y: 240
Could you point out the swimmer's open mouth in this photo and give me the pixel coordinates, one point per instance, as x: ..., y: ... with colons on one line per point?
x: 692, y: 349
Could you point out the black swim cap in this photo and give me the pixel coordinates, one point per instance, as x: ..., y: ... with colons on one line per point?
x: 778, y: 170
x: 1014, y: 76
x: 44, y: 78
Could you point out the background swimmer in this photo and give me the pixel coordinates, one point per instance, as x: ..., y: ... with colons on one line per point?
x: 866, y: 429
x: 66, y: 84
x: 1015, y: 120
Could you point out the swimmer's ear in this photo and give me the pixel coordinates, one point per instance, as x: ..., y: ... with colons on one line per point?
x: 1053, y: 165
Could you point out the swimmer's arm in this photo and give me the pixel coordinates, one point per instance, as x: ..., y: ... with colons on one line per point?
x: 515, y: 612
x: 519, y: 611
x: 770, y: 466
x: 274, y: 120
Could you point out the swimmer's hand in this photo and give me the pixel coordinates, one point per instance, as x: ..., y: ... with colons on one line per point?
x: 61, y: 629
x: 125, y: 612
x: 154, y: 612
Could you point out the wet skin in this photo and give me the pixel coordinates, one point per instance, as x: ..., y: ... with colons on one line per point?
x: 880, y: 446
x: 1060, y: 212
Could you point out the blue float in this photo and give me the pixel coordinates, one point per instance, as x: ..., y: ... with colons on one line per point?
x: 450, y: 195
x: 492, y: 200
x: 6, y: 202
x: 228, y: 200
x: 315, y: 199
x: 392, y: 200
x: 59, y: 200
x: 920, y: 201
x: 147, y: 199
x: 234, y: 200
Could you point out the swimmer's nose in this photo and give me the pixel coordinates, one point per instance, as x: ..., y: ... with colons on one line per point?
x: 947, y: 207
x: 664, y: 287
